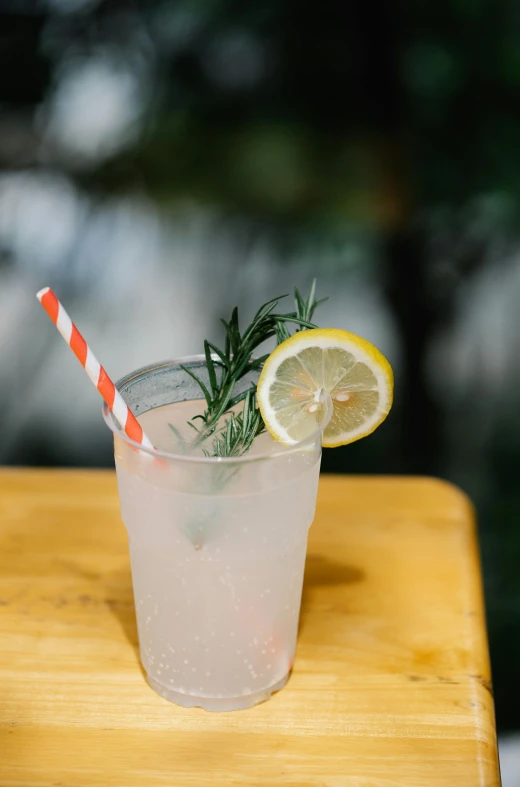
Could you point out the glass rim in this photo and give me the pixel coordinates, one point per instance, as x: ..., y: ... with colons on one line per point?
x: 111, y: 422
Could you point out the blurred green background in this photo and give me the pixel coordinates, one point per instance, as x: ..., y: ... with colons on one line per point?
x: 162, y: 161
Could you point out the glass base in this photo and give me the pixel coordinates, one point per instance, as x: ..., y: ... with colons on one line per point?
x: 216, y: 703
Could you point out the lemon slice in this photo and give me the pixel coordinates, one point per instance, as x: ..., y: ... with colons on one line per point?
x: 357, y: 376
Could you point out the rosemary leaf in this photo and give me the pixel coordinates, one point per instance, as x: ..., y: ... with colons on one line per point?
x: 311, y: 299
x: 218, y: 352
x: 211, y: 368
x: 300, y: 303
x: 207, y: 395
x: 297, y: 320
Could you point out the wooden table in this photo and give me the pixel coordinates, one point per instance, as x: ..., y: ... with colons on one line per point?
x: 391, y: 685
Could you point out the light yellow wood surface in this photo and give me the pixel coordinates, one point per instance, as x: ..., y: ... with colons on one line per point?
x: 391, y: 684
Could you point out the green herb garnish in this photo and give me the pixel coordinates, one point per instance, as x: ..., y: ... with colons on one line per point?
x: 233, y: 363
x: 240, y: 430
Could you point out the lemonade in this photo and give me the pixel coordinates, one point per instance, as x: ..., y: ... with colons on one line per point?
x: 217, y: 552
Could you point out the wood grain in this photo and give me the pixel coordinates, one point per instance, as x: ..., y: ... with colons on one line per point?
x: 391, y: 685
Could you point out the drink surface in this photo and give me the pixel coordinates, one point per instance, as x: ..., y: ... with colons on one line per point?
x: 182, y: 439
x: 217, y: 571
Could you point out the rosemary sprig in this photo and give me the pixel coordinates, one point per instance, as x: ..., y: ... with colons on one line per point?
x: 239, y: 431
x: 234, y: 362
x: 304, y: 311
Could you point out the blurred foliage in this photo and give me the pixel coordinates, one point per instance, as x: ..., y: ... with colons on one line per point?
x: 285, y: 113
x: 288, y: 114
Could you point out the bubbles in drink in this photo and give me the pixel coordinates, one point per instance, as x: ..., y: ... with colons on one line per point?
x: 217, y: 565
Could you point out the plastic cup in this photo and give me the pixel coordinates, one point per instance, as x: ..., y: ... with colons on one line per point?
x: 217, y: 549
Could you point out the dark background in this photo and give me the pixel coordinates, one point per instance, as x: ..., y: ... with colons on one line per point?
x: 162, y: 161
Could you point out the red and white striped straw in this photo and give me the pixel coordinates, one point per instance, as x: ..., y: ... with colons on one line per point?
x: 93, y: 368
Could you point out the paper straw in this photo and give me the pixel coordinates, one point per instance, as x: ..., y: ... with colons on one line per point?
x: 93, y: 368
